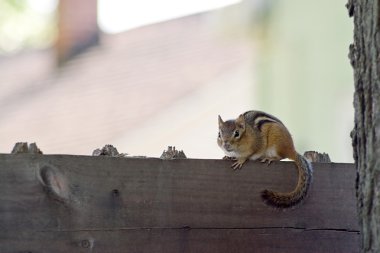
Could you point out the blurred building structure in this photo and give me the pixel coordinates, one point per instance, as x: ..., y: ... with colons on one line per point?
x: 140, y: 90
x: 164, y: 84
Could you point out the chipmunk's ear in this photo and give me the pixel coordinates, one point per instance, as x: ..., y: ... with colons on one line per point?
x: 220, y: 121
x: 240, y: 122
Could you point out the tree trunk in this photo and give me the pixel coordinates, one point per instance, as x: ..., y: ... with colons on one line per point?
x: 365, y: 56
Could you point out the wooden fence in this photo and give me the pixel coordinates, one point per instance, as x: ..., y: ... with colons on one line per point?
x: 64, y: 203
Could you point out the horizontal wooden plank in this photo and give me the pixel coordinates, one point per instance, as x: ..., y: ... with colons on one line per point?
x: 116, y: 195
x: 185, y: 241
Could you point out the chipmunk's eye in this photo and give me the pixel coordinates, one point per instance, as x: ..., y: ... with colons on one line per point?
x: 236, y: 134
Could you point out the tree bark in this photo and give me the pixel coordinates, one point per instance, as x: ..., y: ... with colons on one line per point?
x: 364, y: 56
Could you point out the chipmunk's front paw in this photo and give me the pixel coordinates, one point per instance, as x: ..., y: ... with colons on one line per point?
x: 229, y: 158
x: 239, y: 163
x: 267, y: 161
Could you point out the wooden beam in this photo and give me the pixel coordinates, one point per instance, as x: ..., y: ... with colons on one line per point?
x: 61, y: 203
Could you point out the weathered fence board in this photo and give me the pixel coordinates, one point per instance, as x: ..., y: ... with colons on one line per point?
x: 59, y: 203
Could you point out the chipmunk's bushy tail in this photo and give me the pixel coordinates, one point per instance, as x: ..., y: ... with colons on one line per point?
x: 290, y: 199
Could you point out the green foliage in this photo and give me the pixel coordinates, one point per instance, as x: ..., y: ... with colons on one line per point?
x: 18, y: 5
x: 22, y: 27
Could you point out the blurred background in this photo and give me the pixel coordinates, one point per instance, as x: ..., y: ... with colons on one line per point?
x: 143, y: 75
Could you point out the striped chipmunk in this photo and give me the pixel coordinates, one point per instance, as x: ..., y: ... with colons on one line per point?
x: 257, y: 135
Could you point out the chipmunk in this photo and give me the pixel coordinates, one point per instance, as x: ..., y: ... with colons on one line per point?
x: 257, y: 135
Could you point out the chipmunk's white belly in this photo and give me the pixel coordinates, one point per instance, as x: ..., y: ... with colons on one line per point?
x: 269, y: 153
x: 256, y: 156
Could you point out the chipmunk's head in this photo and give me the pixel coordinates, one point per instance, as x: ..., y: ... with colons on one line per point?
x: 230, y: 133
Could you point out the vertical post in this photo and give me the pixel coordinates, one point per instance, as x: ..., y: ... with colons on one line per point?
x: 365, y: 57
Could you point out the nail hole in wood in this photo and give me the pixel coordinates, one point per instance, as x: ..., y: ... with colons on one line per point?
x: 115, y: 192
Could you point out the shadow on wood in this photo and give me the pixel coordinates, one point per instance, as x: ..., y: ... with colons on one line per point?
x: 61, y: 203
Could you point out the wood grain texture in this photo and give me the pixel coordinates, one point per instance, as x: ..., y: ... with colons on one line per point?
x: 152, y: 205
x: 364, y: 54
